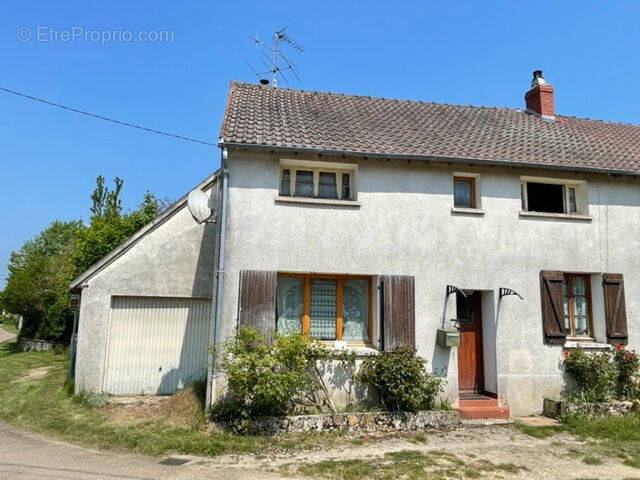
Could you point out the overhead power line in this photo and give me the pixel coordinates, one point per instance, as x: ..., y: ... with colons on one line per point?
x: 94, y: 115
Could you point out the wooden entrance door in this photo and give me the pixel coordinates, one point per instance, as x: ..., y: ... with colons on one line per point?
x: 470, y: 361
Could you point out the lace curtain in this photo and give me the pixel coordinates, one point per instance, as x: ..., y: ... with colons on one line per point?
x: 355, y: 309
x: 289, y: 304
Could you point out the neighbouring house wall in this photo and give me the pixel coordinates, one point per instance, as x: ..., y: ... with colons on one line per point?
x: 405, y: 226
x: 174, y: 260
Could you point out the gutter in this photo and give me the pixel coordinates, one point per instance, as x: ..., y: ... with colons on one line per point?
x: 433, y: 158
x: 212, y: 370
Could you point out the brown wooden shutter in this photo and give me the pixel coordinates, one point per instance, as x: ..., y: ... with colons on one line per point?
x: 257, y: 305
x: 614, y: 308
x: 552, y: 306
x: 397, y: 294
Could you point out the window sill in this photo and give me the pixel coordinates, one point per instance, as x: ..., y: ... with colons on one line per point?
x: 362, y: 350
x: 586, y: 344
x: 318, y: 201
x: 564, y: 216
x: 468, y: 211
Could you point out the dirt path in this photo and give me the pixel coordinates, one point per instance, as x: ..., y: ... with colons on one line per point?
x: 558, y: 457
x: 28, y: 456
x: 5, y: 335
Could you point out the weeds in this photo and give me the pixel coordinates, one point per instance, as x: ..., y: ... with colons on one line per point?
x: 409, y: 464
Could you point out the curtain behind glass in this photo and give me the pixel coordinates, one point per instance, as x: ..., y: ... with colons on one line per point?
x: 580, y: 305
x: 355, y: 309
x: 327, y: 187
x: 289, y: 304
x: 462, y: 193
x: 304, y: 183
x: 323, y: 308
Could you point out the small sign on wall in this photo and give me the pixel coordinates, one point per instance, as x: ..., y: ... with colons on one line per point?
x: 74, y: 302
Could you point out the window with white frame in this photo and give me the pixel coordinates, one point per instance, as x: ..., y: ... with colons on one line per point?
x: 553, y: 195
x: 323, y: 180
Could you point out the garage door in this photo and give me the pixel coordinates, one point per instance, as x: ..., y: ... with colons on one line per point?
x: 156, y: 344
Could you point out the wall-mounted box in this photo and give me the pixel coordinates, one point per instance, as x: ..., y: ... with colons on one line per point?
x: 448, y: 338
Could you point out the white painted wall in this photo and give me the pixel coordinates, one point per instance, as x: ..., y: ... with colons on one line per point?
x: 405, y: 226
x: 174, y: 260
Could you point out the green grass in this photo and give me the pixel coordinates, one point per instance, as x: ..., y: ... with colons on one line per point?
x: 592, y: 460
x: 613, y: 437
x: 44, y: 405
x: 405, y: 464
x: 419, y: 438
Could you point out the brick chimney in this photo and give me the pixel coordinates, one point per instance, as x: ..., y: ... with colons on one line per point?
x: 539, y: 98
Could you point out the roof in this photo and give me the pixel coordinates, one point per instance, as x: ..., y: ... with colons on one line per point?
x: 109, y: 258
x: 286, y: 119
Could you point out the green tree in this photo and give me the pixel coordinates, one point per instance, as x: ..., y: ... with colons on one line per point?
x: 106, y: 202
x: 108, y: 226
x: 37, y: 283
x: 39, y: 273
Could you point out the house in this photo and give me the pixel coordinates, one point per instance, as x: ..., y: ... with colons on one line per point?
x: 367, y: 222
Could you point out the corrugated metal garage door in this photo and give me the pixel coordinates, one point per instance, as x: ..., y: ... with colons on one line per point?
x: 156, y: 344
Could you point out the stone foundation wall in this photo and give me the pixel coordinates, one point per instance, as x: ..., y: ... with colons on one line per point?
x: 556, y: 408
x: 368, y: 421
x: 27, y: 344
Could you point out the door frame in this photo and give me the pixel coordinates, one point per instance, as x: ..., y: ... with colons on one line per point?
x: 479, y: 347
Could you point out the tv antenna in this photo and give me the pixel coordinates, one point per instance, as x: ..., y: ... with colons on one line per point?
x: 270, y: 61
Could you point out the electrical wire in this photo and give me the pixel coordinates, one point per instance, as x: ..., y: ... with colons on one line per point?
x: 100, y: 117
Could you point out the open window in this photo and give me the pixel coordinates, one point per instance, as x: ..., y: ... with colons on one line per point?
x: 553, y: 196
x: 321, y: 180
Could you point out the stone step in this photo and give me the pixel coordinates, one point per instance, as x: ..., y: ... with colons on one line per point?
x: 495, y: 411
x: 478, y: 402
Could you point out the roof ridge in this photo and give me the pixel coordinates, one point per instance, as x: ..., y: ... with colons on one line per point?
x: 408, y: 100
x: 600, y: 120
x: 394, y: 99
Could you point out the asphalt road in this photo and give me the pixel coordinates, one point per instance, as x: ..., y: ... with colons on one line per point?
x: 4, y: 335
x: 26, y: 456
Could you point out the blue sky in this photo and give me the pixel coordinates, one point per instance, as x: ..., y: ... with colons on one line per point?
x: 457, y: 52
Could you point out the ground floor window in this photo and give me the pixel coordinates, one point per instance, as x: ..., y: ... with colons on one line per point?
x: 576, y: 290
x: 326, y: 307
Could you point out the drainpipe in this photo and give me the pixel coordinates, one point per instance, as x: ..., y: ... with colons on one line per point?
x: 219, y: 277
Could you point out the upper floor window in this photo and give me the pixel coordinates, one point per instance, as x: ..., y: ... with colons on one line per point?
x: 324, y: 180
x: 464, y: 192
x: 553, y: 196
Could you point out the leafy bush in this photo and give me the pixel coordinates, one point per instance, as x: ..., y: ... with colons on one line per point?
x: 594, y: 376
x: 401, y: 380
x: 268, y: 380
x: 628, y: 369
x: 603, y: 376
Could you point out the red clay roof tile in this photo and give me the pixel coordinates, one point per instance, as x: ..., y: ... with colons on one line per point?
x: 321, y: 121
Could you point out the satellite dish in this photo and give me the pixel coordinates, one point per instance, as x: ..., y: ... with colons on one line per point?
x: 198, y: 204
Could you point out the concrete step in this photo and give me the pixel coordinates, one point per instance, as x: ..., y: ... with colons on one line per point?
x: 482, y: 411
x: 478, y: 402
